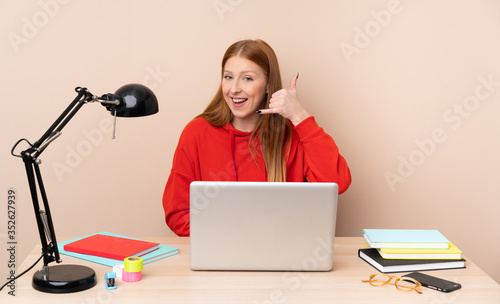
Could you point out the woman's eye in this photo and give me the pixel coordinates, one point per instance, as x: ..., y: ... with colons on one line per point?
x: 228, y: 77
x: 248, y: 78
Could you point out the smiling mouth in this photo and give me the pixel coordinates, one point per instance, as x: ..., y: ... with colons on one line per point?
x: 239, y: 100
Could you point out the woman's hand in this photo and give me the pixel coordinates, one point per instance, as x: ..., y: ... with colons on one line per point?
x: 286, y: 103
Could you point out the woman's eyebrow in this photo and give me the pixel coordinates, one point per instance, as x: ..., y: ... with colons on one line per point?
x: 241, y: 72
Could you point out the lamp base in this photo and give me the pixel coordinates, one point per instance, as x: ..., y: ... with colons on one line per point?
x: 64, y: 279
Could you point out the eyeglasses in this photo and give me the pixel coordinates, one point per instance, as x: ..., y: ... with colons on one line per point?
x: 401, y: 283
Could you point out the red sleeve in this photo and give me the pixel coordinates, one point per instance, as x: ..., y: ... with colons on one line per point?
x: 176, y: 203
x: 176, y: 194
x: 322, y: 160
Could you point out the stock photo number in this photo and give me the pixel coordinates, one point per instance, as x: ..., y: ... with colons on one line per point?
x: 11, y: 238
x: 11, y: 214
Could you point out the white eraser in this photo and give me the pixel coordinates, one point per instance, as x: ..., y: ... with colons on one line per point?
x: 118, y: 269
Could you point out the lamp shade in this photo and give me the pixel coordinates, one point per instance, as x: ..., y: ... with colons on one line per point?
x: 136, y: 100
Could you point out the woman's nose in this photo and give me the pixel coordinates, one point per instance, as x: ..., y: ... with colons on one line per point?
x: 235, y: 87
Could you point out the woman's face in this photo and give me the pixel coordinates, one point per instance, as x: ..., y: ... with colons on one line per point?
x: 244, y: 86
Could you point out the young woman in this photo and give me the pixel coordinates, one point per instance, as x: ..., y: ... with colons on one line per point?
x: 252, y: 130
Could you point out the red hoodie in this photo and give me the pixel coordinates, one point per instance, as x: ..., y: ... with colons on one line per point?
x: 208, y: 153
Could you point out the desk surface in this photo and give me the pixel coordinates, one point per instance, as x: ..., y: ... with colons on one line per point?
x: 170, y: 280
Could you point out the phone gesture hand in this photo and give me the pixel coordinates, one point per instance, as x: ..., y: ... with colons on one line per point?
x: 285, y: 102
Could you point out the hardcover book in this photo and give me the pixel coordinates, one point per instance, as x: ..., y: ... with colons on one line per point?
x: 162, y: 252
x: 111, y: 247
x: 419, y: 254
x: 372, y: 257
x: 405, y: 238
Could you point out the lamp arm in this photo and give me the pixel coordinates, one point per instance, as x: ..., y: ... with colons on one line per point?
x: 30, y: 158
x: 78, y: 99
x: 43, y: 218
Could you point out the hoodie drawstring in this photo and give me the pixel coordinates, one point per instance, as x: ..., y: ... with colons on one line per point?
x: 232, y: 143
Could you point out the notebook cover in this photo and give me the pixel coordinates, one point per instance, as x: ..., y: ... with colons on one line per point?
x: 397, y: 265
x: 411, y: 253
x: 405, y: 238
x: 162, y: 252
x: 111, y: 247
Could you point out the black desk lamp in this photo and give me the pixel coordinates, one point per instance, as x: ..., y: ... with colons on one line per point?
x: 132, y: 100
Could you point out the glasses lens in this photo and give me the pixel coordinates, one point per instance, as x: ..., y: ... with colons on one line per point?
x: 380, y: 279
x: 406, y: 284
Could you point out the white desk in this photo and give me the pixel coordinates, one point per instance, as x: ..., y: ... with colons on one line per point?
x: 170, y: 280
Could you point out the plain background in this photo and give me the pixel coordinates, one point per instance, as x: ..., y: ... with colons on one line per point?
x: 409, y: 90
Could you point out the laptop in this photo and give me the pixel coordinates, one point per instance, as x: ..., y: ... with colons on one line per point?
x: 262, y: 226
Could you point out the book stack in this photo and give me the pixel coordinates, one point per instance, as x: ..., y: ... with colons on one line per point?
x: 111, y: 249
x: 398, y: 250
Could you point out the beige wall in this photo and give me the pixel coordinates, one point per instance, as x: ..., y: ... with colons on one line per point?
x: 410, y: 91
